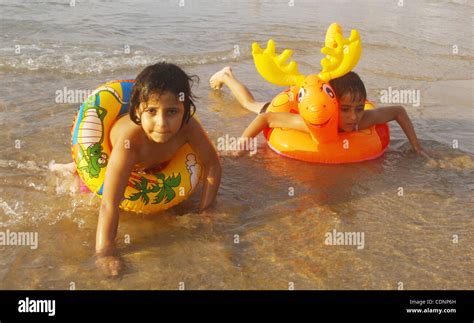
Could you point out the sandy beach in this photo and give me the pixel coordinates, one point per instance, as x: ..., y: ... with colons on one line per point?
x: 415, y: 214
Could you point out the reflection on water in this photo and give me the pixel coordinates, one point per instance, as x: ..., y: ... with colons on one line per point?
x: 268, y: 227
x: 281, y: 237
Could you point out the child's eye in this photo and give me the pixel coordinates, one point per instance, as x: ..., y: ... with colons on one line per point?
x: 151, y: 111
x: 172, y: 111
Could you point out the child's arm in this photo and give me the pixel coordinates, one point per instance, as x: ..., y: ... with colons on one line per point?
x: 118, y: 172
x: 206, y: 152
x: 274, y: 120
x: 386, y: 114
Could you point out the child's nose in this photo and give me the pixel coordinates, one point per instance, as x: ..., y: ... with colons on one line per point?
x: 160, y: 120
x: 353, y: 115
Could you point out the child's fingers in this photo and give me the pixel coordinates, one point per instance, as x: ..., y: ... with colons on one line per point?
x: 110, y: 265
x: 232, y: 153
x: 423, y: 153
x: 239, y: 153
x: 115, y: 267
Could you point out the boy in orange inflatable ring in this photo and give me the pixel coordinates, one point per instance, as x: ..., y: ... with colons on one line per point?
x: 350, y: 92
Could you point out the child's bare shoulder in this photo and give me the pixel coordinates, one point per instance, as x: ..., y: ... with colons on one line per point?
x: 124, y: 129
x: 193, y: 130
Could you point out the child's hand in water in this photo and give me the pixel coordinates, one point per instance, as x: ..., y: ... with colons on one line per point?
x: 239, y: 153
x: 242, y: 149
x: 235, y: 153
x: 423, y: 153
x: 110, y: 265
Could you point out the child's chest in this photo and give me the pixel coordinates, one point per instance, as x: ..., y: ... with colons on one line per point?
x: 152, y: 156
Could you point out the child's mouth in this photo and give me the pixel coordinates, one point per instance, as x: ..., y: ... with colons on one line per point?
x: 351, y: 126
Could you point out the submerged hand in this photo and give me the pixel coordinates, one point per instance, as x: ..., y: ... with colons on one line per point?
x: 423, y: 153
x: 239, y: 153
x: 110, y: 265
x: 232, y: 153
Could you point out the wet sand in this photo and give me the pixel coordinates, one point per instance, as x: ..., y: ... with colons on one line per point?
x: 421, y: 238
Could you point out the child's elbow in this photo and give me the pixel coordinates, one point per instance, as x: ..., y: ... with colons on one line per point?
x: 269, y: 119
x: 401, y: 113
x: 213, y: 173
x: 213, y: 164
x: 216, y: 168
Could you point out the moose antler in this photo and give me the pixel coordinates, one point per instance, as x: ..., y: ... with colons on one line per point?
x: 342, y: 54
x: 274, y: 68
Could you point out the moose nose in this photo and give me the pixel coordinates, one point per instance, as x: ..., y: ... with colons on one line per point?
x: 314, y: 108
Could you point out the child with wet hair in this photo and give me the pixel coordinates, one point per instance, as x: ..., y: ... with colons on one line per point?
x: 350, y: 93
x: 159, y: 123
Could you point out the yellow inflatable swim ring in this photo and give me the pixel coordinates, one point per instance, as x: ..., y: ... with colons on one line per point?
x: 150, y: 192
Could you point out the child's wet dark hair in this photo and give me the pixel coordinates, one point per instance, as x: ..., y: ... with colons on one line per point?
x: 159, y: 78
x: 349, y: 84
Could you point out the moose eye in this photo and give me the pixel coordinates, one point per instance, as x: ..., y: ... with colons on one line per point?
x: 328, y: 91
x: 301, y: 95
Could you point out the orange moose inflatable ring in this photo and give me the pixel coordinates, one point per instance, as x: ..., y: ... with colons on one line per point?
x: 314, y: 99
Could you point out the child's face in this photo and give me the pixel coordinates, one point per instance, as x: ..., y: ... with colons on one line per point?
x: 350, y: 112
x: 161, y: 116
